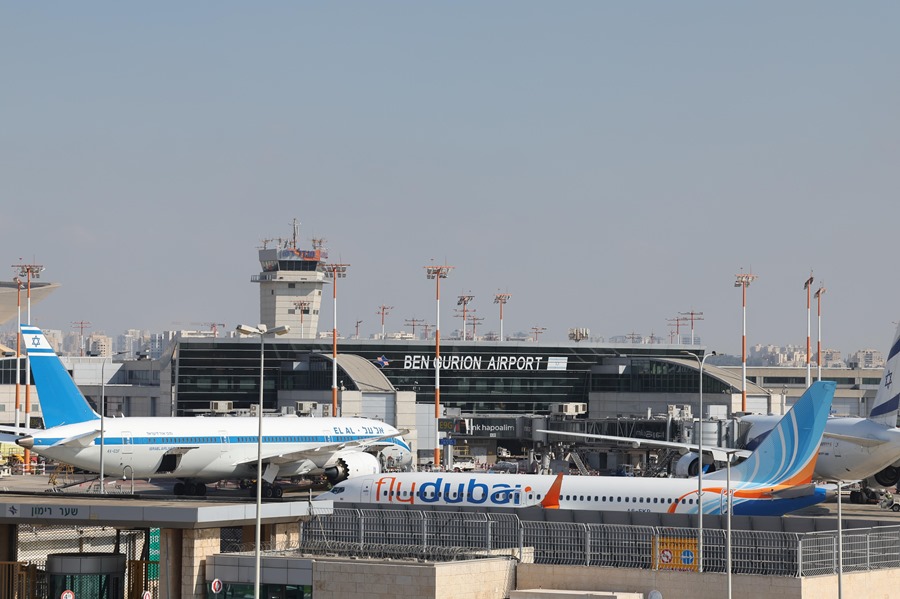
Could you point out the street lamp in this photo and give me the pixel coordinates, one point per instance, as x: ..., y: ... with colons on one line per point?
x: 262, y: 331
x: 103, y: 419
x: 701, y: 362
x: 437, y: 273
x: 334, y: 272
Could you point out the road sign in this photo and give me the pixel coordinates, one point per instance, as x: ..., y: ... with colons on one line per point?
x: 216, y: 586
x: 687, y: 557
x: 67, y: 594
x: 665, y: 556
x: 448, y: 441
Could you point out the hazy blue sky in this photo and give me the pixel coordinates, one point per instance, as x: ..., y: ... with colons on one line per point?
x: 609, y: 164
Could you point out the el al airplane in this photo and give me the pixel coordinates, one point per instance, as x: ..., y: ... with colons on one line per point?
x: 856, y: 449
x: 195, y: 450
x: 774, y: 480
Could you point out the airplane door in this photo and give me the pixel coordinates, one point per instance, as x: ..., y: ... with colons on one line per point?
x: 127, y: 443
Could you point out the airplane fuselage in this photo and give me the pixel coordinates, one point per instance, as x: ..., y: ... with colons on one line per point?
x: 203, y: 449
x: 601, y: 493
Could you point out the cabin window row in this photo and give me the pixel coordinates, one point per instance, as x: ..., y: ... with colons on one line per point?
x: 501, y: 495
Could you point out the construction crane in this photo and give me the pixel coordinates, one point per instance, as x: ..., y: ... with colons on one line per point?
x: 213, y: 326
x: 81, y: 325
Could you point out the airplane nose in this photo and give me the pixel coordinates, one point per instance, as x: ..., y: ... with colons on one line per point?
x: 27, y: 442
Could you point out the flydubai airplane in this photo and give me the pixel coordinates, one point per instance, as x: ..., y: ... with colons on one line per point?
x: 855, y: 449
x: 774, y: 480
x: 196, y: 450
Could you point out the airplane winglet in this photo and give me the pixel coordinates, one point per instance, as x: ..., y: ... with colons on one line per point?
x: 551, y: 499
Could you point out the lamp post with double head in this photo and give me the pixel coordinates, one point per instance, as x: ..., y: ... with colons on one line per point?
x: 334, y: 272
x: 700, y: 362
x: 261, y: 330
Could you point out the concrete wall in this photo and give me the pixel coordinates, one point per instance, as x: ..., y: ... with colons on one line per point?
x: 475, y: 579
x: 881, y: 584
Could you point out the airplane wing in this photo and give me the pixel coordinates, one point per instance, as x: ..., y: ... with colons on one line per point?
x: 863, y: 441
x: 635, y: 442
x: 79, y: 440
x: 324, y: 449
x: 5, y: 428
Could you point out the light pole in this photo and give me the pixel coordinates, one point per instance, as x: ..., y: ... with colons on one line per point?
x: 807, y: 286
x: 302, y: 306
x: 818, y: 296
x: 103, y: 419
x: 743, y: 281
x: 501, y: 298
x: 700, y: 362
x: 383, y: 310
x: 19, y: 286
x: 262, y: 331
x: 334, y: 272
x: 28, y: 271
x: 437, y: 273
x: 464, y: 302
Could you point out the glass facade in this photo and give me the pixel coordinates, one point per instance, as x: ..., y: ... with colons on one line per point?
x: 515, y: 377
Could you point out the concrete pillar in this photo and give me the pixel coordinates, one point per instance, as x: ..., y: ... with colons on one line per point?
x: 170, y: 541
x: 9, y: 538
x: 197, y: 545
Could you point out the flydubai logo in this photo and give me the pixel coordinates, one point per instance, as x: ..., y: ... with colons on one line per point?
x: 389, y: 490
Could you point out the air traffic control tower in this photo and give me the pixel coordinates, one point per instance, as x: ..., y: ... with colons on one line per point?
x: 290, y: 285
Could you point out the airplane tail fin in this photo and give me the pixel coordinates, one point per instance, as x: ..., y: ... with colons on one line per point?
x: 61, y: 401
x: 887, y: 400
x: 787, y: 456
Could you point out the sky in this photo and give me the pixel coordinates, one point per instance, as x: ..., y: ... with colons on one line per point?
x: 610, y: 165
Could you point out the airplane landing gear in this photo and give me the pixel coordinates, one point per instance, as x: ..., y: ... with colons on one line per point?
x: 189, y: 488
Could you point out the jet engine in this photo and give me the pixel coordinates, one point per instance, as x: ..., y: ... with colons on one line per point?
x: 885, y: 478
x: 351, y: 464
x: 689, y: 465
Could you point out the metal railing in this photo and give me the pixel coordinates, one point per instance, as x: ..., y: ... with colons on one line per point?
x: 417, y: 534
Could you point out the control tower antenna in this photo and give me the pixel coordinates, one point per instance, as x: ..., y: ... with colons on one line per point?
x: 81, y: 325
x: 295, y: 226
x: 692, y: 316
x: 413, y: 322
x: 383, y: 311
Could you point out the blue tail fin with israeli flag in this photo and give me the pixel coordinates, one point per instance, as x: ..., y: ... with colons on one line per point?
x: 787, y: 455
x: 60, y: 399
x: 887, y: 399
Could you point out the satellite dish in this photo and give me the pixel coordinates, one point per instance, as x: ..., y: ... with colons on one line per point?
x: 654, y: 595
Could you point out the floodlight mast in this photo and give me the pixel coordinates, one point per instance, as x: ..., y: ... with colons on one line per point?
x: 693, y: 316
x: 743, y: 281
x: 818, y: 296
x: 334, y: 272
x: 383, y: 311
x: 28, y: 271
x: 501, y: 298
x: 464, y: 301
x: 19, y: 288
x: 437, y: 273
x: 808, y: 286
x: 302, y: 306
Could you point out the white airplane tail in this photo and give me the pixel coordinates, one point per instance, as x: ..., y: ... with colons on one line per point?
x: 887, y: 400
x: 61, y: 401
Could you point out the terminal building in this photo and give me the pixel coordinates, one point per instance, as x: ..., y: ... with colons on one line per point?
x: 494, y: 395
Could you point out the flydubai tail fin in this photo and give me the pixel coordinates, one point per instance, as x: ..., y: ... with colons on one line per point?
x: 61, y: 401
x: 787, y: 456
x: 887, y: 400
